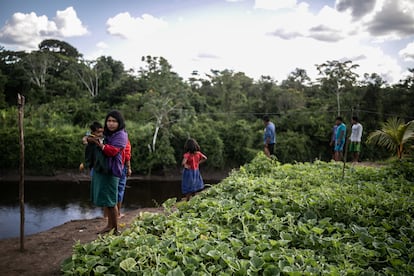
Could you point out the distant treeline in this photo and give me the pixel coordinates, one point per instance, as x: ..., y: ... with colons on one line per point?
x: 222, y: 110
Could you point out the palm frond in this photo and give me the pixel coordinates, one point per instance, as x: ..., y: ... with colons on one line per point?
x: 383, y: 139
x: 393, y: 135
x: 409, y: 131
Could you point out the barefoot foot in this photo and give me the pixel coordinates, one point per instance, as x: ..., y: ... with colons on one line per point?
x: 105, y: 230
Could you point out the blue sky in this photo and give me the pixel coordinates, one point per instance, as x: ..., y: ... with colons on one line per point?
x: 258, y: 37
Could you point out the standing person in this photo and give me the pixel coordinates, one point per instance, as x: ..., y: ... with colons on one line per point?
x: 105, y: 179
x: 339, y: 138
x: 356, y: 135
x: 127, y: 171
x: 269, y: 136
x: 192, y: 181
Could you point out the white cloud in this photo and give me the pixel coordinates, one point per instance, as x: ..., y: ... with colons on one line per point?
x: 69, y: 24
x: 27, y: 30
x: 102, y: 45
x: 126, y: 26
x: 207, y: 55
x: 358, y: 8
x: 275, y: 4
x: 407, y: 54
x: 327, y: 25
x: 258, y: 43
x: 394, y: 21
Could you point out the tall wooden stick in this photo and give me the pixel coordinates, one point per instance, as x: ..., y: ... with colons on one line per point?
x: 20, y: 104
x: 345, y: 157
x: 347, y: 145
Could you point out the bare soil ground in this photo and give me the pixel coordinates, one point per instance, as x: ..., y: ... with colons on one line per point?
x: 45, y: 251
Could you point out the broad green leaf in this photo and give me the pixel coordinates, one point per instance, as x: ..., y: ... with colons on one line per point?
x: 318, y: 230
x: 128, y: 264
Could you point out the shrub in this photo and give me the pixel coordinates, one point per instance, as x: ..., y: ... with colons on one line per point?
x: 402, y: 168
x: 46, y: 150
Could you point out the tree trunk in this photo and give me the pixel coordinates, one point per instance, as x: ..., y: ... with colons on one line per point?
x: 154, y: 138
x: 20, y: 101
x: 400, y: 149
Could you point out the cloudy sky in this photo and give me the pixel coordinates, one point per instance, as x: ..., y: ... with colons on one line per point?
x: 258, y: 37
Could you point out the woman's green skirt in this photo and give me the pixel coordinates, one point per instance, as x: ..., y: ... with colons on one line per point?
x: 104, y: 189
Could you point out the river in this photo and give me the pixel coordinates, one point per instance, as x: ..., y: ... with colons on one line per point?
x: 49, y: 204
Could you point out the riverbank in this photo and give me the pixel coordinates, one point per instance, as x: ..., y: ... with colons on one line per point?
x: 45, y: 251
x: 210, y: 176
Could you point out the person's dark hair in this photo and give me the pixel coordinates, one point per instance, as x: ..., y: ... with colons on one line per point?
x: 95, y: 126
x: 266, y: 118
x: 355, y: 118
x: 339, y: 118
x: 118, y: 117
x: 191, y: 146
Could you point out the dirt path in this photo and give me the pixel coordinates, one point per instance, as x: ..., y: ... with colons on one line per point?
x: 45, y: 251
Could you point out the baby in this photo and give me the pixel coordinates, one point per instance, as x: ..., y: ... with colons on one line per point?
x: 96, y: 130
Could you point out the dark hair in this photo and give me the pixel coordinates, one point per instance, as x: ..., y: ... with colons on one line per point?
x: 118, y: 117
x: 266, y: 118
x: 191, y: 146
x: 95, y: 126
x: 355, y: 118
x: 339, y: 118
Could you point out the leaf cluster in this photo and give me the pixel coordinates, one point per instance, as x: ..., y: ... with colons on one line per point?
x: 269, y: 219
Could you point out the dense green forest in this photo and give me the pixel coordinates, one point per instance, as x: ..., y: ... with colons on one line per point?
x: 223, y: 109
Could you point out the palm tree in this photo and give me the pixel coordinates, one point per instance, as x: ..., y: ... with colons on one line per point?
x: 393, y: 135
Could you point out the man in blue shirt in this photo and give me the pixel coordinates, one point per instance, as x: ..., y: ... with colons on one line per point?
x: 269, y: 136
x: 339, y: 138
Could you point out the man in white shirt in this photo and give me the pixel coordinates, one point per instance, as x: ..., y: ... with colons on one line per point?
x: 356, y: 135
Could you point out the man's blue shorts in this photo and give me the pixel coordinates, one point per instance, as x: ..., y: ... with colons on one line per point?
x: 340, y: 146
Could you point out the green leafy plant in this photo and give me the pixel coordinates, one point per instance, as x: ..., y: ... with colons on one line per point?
x: 269, y: 219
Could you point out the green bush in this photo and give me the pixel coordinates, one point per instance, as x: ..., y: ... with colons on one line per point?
x: 403, y: 168
x: 292, y: 146
x: 206, y: 132
x: 143, y: 159
x: 46, y: 150
x: 238, y: 138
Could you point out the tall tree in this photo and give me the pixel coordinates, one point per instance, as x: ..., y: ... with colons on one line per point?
x: 408, y: 81
x: 297, y: 80
x: 87, y: 74
x: 337, y: 77
x: 3, y: 81
x: 228, y: 90
x: 18, y: 81
x: 36, y: 65
x: 60, y: 47
x: 167, y: 96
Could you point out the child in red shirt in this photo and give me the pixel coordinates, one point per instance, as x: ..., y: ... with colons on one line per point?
x: 192, y: 181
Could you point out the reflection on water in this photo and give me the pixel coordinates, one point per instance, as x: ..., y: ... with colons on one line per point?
x: 38, y: 219
x: 50, y: 204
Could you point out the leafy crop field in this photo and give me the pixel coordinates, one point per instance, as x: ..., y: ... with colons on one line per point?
x: 270, y: 219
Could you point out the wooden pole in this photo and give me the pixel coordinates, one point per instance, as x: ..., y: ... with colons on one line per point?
x: 20, y: 104
x: 345, y: 156
x: 347, y: 145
